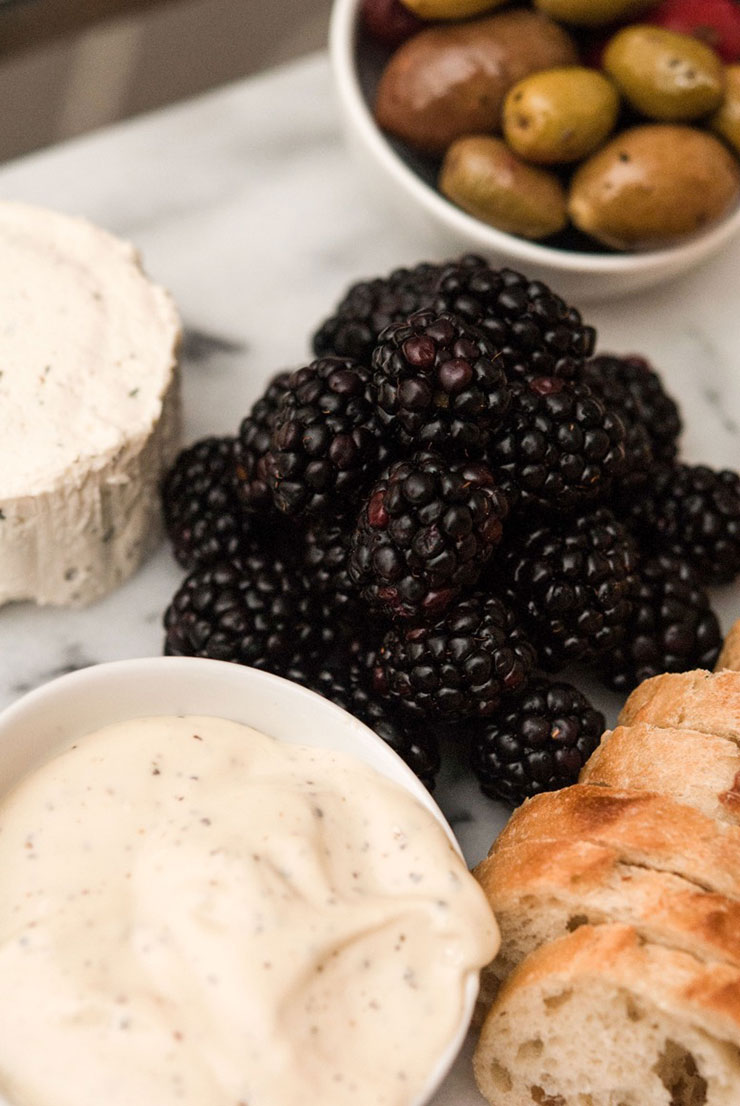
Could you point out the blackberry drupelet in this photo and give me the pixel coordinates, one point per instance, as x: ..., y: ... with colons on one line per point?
x: 559, y: 447
x: 540, y: 742
x: 438, y: 385
x: 460, y: 667
x: 202, y: 513
x: 252, y: 610
x: 574, y: 582
x: 672, y: 627
x: 424, y: 534
x: 693, y: 512
x: 327, y: 442
x: 253, y: 443
x: 632, y: 388
x: 346, y: 685
x: 369, y: 307
x: 532, y: 330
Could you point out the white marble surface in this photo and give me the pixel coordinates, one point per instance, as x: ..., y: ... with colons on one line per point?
x: 246, y: 205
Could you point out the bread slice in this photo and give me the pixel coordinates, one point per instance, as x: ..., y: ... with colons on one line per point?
x: 730, y: 655
x: 695, y: 768
x: 698, y: 700
x: 599, y: 1018
x: 645, y: 829
x: 542, y: 891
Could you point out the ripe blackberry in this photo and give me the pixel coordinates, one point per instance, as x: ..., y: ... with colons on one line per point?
x: 438, y: 385
x: 202, y: 514
x: 532, y: 330
x: 252, y: 610
x: 253, y: 443
x: 539, y: 743
x: 346, y: 685
x: 632, y: 388
x: 325, y: 557
x: 672, y: 627
x: 326, y: 443
x: 369, y: 307
x: 460, y: 667
x: 559, y: 447
x: 424, y: 534
x: 574, y: 581
x: 693, y: 512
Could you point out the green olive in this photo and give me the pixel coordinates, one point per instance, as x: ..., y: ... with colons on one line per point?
x: 652, y: 185
x: 560, y: 115
x: 666, y: 76
x: 726, y: 120
x: 485, y: 178
x: 592, y: 13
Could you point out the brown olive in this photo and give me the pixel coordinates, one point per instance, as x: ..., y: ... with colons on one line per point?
x: 482, y: 175
x: 449, y: 81
x: 451, y: 9
x: 560, y: 115
x: 726, y: 119
x: 653, y: 184
x: 665, y: 75
x: 592, y: 13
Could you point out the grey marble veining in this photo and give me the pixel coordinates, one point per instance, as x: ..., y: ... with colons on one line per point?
x: 245, y: 204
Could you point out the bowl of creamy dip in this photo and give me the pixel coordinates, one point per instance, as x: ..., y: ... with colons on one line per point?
x: 216, y: 886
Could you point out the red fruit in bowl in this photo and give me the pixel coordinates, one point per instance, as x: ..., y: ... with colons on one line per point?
x: 716, y: 22
x: 389, y: 21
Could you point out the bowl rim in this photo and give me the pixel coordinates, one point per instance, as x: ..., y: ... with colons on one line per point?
x: 86, y: 687
x: 344, y: 27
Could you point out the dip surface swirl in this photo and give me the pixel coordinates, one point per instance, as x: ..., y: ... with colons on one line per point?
x: 194, y: 913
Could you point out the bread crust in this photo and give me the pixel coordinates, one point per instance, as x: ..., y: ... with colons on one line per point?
x: 642, y: 827
x: 730, y: 655
x: 698, y: 700
x: 699, y: 769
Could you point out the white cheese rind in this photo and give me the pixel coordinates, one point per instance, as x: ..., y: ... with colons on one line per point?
x: 89, y: 407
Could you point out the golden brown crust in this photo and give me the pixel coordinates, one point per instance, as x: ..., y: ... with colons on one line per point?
x: 576, y: 881
x: 643, y: 827
x: 698, y: 700
x: 675, y: 981
x: 730, y: 655
x: 699, y: 769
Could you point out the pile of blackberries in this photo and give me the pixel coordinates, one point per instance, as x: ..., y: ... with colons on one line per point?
x: 454, y: 501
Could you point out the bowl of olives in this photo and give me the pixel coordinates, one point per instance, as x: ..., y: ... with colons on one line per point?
x: 594, y: 143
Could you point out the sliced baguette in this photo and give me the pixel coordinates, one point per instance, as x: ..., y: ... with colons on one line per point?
x: 645, y: 829
x: 598, y: 1018
x: 698, y: 700
x: 730, y: 655
x: 542, y: 891
x: 699, y: 769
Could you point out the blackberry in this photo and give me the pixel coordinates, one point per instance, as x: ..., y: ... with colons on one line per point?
x: 325, y: 557
x: 532, y: 330
x: 672, y: 627
x: 438, y: 385
x: 539, y: 743
x: 424, y: 534
x: 253, y: 443
x: 631, y: 387
x: 202, y: 514
x: 326, y: 443
x: 369, y: 307
x: 252, y: 610
x: 692, y: 512
x: 417, y: 745
x: 460, y: 667
x: 574, y: 581
x: 559, y: 448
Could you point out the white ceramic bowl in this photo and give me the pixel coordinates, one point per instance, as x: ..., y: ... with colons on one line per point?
x: 53, y: 716
x: 574, y: 275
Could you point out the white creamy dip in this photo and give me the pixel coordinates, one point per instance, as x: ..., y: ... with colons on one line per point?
x: 192, y: 913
